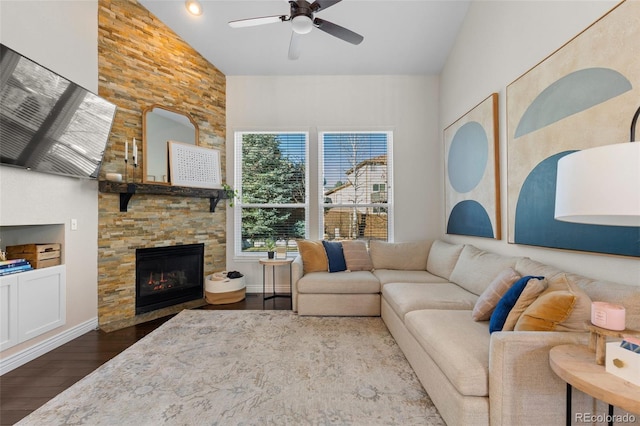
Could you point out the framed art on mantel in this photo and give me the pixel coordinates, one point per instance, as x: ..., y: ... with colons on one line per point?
x: 194, y: 166
x: 582, y: 96
x: 472, y: 195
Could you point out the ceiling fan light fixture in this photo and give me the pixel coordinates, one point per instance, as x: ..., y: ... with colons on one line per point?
x: 302, y: 24
x: 194, y: 7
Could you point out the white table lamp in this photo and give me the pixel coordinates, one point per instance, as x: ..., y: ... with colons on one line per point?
x: 601, y: 185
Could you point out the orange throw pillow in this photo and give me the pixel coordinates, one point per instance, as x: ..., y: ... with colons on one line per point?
x: 548, y: 310
x: 563, y: 306
x: 314, y: 257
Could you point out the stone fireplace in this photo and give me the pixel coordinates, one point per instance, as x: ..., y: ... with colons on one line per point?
x: 139, y: 61
x: 167, y: 276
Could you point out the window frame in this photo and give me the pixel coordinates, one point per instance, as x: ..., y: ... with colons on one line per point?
x: 389, y: 205
x: 239, y: 205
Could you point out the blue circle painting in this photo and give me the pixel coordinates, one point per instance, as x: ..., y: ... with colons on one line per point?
x: 468, y: 156
x: 469, y: 218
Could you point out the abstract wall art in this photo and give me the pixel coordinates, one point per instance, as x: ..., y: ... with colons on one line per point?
x: 194, y: 166
x: 582, y: 96
x: 472, y: 196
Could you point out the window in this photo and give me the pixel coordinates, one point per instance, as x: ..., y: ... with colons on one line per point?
x: 356, y: 171
x: 271, y: 181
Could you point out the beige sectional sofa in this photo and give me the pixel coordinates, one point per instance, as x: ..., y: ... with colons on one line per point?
x: 425, y: 293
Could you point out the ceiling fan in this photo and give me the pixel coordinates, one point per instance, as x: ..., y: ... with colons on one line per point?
x: 302, y: 22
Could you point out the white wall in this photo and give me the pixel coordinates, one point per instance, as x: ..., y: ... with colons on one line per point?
x: 498, y: 42
x: 408, y: 105
x: 62, y: 36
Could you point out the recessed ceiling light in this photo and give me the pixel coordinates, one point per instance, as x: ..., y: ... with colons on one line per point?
x: 194, y: 7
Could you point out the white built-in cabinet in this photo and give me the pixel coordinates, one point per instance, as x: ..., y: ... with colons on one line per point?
x: 31, y: 303
x: 8, y: 311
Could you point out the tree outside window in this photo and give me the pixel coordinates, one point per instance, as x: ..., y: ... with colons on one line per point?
x: 272, y: 189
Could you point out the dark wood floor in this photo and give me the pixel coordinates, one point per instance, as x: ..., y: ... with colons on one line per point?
x: 30, y: 386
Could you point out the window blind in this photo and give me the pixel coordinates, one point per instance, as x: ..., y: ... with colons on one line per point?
x: 272, y: 187
x: 355, y: 169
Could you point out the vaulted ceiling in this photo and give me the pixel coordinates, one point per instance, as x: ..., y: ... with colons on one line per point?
x: 400, y: 36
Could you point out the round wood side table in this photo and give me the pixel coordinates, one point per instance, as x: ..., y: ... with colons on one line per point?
x: 576, y: 365
x: 273, y: 263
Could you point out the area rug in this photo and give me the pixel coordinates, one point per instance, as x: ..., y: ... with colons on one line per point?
x: 250, y: 368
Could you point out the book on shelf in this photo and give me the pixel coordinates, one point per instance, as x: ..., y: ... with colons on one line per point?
x: 10, y: 262
x: 15, y: 269
x: 16, y: 262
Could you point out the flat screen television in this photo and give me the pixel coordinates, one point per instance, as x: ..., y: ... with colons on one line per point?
x: 48, y: 123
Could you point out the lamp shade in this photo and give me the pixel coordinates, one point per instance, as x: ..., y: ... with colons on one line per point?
x: 302, y: 24
x: 600, y: 186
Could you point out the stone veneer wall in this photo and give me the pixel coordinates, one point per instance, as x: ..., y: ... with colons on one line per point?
x: 141, y: 63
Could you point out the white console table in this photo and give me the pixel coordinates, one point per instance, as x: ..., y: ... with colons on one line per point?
x: 31, y: 303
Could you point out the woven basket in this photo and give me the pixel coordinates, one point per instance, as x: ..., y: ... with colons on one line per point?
x: 220, y: 290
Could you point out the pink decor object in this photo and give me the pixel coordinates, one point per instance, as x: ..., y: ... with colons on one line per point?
x: 607, y: 315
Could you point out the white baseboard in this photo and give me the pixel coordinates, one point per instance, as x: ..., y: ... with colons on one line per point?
x: 254, y: 288
x: 29, y: 354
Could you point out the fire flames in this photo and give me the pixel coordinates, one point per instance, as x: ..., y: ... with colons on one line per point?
x: 161, y: 281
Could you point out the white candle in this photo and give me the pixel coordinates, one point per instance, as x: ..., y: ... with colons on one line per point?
x: 126, y: 150
x: 135, y: 152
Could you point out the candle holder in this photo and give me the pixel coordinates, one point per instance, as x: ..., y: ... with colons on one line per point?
x: 126, y: 178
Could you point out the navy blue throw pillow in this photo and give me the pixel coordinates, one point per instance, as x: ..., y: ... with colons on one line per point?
x: 507, y: 302
x: 335, y: 256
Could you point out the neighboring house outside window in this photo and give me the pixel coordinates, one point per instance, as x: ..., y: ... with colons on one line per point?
x: 356, y: 177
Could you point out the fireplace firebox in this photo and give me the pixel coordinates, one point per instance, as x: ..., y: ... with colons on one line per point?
x: 167, y: 276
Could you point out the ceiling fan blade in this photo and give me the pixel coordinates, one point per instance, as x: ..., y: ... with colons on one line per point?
x: 338, y: 31
x: 319, y: 5
x: 294, y: 45
x: 252, y: 22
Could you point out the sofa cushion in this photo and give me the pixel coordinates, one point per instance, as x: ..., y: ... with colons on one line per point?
x: 442, y: 258
x: 531, y: 291
x: 457, y: 344
x: 350, y: 305
x: 526, y: 266
x: 335, y: 256
x: 409, y: 256
x: 339, y: 283
x: 407, y: 297
x: 314, y: 257
x: 508, y: 301
x: 356, y: 255
x: 562, y: 307
x: 491, y: 295
x: 476, y: 268
x: 394, y: 276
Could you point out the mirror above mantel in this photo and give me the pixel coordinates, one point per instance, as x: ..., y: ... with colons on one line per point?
x: 161, y: 124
